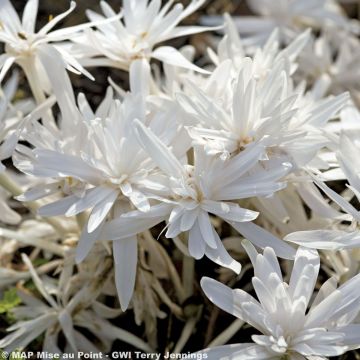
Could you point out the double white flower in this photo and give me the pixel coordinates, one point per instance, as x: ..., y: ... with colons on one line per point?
x: 209, y: 186
x: 337, y: 239
x: 23, y: 45
x: 105, y: 171
x: 11, y: 116
x: 291, y: 17
x: 144, y: 25
x: 281, y: 313
x: 252, y: 107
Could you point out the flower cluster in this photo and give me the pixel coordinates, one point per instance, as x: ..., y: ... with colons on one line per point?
x: 243, y: 156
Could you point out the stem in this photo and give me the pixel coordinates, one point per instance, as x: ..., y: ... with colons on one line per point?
x: 131, y: 339
x: 181, y: 246
x: 211, y: 325
x: 38, y: 243
x: 154, y: 90
x: 180, y: 291
x: 43, y: 269
x: 39, y: 95
x: 92, y: 289
x: 186, y: 332
x: 185, y: 335
x: 24, y: 275
x: 227, y: 334
x: 175, y: 309
x: 10, y: 185
x: 188, y: 272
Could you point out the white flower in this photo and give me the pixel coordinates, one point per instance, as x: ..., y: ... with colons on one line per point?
x: 288, y: 212
x: 350, y: 119
x: 144, y: 25
x: 338, y: 238
x: 281, y: 312
x: 22, y: 42
x: 81, y: 170
x: 210, y: 186
x: 11, y: 116
x: 337, y: 62
x: 264, y: 58
x: 251, y: 109
x: 106, y: 172
x: 290, y: 16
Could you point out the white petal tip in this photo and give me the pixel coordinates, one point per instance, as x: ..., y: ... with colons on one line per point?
x: 205, y: 281
x: 124, y: 304
x: 20, y: 197
x: 236, y: 268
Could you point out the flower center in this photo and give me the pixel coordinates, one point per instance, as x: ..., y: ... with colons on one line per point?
x: 241, y: 144
x: 198, y: 194
x: 280, y: 345
x: 22, y: 45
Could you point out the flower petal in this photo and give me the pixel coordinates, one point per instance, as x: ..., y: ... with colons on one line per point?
x: 125, y: 257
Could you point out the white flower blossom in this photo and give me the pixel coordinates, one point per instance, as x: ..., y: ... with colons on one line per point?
x: 11, y: 116
x: 252, y: 109
x: 290, y: 16
x: 281, y: 312
x: 97, y: 175
x: 338, y: 239
x: 335, y: 62
x: 144, y: 25
x: 210, y: 186
x: 22, y: 42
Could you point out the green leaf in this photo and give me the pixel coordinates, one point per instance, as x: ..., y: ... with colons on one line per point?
x: 40, y: 261
x: 9, y: 301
